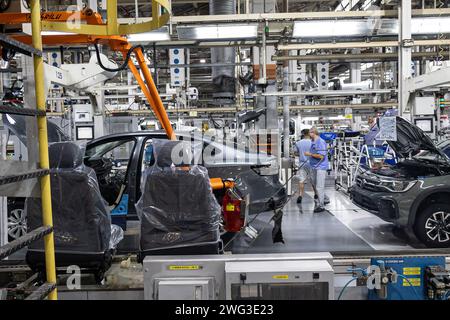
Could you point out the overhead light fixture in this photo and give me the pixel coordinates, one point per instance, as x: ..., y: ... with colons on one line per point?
x: 367, y: 27
x: 161, y: 34
x: 430, y: 25
x: 218, y: 32
x: 330, y: 28
x: 202, y: 60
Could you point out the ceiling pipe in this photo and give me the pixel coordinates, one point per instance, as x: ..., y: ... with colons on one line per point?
x: 363, y: 57
x: 224, y: 79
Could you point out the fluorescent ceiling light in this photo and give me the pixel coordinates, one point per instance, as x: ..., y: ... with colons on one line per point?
x: 202, y: 60
x: 330, y: 28
x: 367, y: 27
x: 430, y: 25
x: 214, y: 32
x: 161, y: 34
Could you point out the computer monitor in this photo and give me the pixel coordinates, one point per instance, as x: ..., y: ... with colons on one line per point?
x: 85, y: 132
x: 426, y: 124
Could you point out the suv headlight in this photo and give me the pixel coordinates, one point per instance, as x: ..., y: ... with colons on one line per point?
x: 397, y: 186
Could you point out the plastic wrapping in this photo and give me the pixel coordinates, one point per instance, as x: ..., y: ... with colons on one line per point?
x: 177, y: 207
x: 266, y: 192
x: 81, y: 218
x: 117, y: 235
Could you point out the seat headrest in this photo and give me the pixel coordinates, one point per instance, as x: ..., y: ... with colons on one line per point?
x: 169, y: 152
x: 65, y: 155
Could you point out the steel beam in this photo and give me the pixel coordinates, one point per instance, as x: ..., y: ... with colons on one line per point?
x: 362, y: 44
x: 362, y: 106
x: 261, y: 17
x: 333, y: 93
x: 363, y: 57
x: 405, y: 55
x: 303, y: 15
x: 428, y: 80
x: 384, y: 105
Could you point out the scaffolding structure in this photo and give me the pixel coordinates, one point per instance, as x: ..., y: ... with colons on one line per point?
x: 347, y: 161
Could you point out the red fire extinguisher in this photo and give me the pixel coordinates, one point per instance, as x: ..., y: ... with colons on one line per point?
x: 233, y: 207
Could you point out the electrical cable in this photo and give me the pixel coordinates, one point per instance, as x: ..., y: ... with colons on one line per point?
x: 364, y: 272
x: 411, y: 285
x: 124, y: 65
x: 345, y: 287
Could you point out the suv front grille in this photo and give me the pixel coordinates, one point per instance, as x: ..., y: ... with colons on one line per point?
x: 367, y: 184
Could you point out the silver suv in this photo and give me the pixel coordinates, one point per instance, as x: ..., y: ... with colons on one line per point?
x: 413, y: 194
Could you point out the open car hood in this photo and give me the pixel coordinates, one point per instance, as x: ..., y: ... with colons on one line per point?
x: 411, y: 140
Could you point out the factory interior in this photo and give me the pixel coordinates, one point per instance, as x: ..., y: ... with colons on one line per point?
x: 225, y: 150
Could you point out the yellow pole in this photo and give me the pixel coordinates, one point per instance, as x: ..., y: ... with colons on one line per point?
x: 43, y: 146
x: 155, y: 14
x: 112, y: 24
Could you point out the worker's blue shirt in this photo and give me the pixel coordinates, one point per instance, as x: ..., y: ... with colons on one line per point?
x: 303, y: 146
x: 319, y: 147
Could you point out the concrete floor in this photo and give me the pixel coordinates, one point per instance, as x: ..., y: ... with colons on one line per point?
x: 343, y: 228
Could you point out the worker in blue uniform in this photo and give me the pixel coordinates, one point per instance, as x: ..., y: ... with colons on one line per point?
x: 318, y: 160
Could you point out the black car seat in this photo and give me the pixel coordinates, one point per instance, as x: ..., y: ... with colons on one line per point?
x: 82, y: 223
x: 179, y: 213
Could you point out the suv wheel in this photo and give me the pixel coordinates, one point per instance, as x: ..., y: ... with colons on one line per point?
x: 17, y: 224
x: 433, y: 225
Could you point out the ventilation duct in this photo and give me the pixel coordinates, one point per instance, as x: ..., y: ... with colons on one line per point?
x: 223, y: 76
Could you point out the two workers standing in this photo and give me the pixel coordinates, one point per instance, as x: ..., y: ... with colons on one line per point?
x: 313, y: 163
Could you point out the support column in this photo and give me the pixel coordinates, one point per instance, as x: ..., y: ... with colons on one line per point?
x: 405, y: 59
x: 43, y: 146
x: 355, y: 69
x: 355, y: 77
x: 286, y: 118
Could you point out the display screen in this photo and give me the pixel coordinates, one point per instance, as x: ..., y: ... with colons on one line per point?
x: 85, y: 133
x: 425, y: 124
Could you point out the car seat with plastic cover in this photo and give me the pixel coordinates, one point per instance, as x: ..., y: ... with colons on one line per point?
x: 81, y: 219
x: 178, y: 211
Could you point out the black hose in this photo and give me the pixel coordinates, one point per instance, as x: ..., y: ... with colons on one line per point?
x: 124, y: 65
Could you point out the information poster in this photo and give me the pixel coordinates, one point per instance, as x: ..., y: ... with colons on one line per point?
x: 388, y: 129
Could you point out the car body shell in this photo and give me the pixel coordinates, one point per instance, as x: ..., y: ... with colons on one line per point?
x: 237, y: 166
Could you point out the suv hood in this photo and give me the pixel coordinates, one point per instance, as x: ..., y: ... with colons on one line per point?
x: 411, y: 140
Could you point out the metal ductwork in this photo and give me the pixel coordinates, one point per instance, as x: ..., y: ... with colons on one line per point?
x: 223, y: 76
